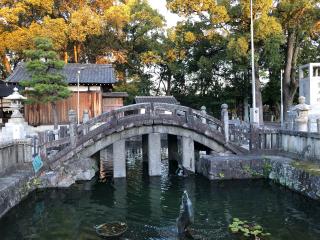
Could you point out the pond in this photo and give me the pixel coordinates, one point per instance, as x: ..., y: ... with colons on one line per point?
x: 150, y: 207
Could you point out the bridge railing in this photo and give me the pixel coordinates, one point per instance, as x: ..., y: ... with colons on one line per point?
x: 265, y: 139
x: 255, y: 138
x: 150, y: 111
x: 144, y: 113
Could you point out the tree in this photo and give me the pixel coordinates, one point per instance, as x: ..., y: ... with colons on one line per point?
x: 300, y: 21
x: 15, y: 20
x: 47, y: 84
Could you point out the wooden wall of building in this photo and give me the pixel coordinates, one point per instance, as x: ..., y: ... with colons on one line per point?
x: 110, y: 103
x: 41, y: 114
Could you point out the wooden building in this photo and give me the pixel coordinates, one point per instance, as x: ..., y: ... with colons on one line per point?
x: 95, y: 93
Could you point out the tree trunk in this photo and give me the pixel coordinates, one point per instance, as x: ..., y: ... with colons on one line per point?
x: 75, y: 53
x: 168, y: 93
x: 65, y: 57
x: 78, y: 51
x: 55, y: 115
x: 259, y: 95
x: 290, y: 84
x: 6, y: 64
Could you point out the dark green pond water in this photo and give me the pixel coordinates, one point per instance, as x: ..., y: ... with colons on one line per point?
x: 150, y: 206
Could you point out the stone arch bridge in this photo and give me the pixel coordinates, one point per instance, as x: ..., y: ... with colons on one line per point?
x: 149, y: 120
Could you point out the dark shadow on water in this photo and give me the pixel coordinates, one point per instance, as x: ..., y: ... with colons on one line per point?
x: 150, y: 206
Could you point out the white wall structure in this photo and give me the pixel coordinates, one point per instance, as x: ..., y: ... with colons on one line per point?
x: 309, y: 83
x: 309, y: 87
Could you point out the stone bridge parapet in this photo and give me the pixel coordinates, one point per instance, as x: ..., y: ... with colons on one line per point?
x: 139, y: 119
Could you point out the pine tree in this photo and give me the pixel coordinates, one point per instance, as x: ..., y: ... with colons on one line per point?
x: 47, y: 84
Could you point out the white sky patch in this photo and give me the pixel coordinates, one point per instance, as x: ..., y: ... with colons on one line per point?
x: 160, y: 5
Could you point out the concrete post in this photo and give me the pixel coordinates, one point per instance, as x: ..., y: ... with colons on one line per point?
x: 119, y: 159
x: 309, y: 125
x: 204, y: 112
x: 85, y: 119
x: 188, y: 159
x: 145, y: 147
x: 27, y: 147
x: 85, y: 116
x: 56, y: 134
x: 106, y: 162
x: 73, y: 127
x: 154, y: 154
x: 225, y: 121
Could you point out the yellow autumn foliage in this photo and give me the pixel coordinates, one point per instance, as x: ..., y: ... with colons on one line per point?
x: 189, y: 37
x: 219, y: 14
x: 171, y: 55
x: 172, y: 35
x: 150, y: 57
x: 190, y: 6
x: 267, y: 26
x: 259, y: 7
x: 118, y: 15
x: 238, y: 47
x: 84, y: 22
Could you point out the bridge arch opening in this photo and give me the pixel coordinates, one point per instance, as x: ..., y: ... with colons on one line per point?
x: 153, y: 148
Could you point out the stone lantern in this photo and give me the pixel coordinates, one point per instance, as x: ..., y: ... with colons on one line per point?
x: 16, y: 127
x: 302, y: 110
x: 16, y: 103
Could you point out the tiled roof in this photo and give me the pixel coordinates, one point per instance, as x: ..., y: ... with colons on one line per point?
x: 5, y: 90
x: 90, y: 73
x: 156, y: 99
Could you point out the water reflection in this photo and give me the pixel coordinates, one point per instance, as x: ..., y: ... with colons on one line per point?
x: 150, y: 206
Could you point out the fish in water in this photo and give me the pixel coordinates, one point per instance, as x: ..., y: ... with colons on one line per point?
x: 186, y: 216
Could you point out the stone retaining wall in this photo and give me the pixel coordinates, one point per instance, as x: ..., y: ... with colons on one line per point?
x: 16, y: 185
x: 14, y: 153
x: 280, y: 169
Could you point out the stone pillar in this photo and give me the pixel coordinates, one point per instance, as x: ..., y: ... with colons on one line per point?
x: 204, y: 112
x: 309, y: 125
x: 27, y: 147
x: 145, y: 147
x: 85, y: 116
x: 119, y: 159
x: 85, y: 119
x: 302, y: 110
x: 225, y: 121
x: 106, y: 162
x: 154, y: 154
x: 73, y: 127
x: 173, y: 154
x: 188, y: 160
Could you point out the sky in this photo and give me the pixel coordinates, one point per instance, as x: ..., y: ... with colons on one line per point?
x: 160, y: 5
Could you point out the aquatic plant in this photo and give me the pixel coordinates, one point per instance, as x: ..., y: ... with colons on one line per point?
x: 248, y: 230
x: 221, y: 175
x: 267, y: 167
x: 248, y: 170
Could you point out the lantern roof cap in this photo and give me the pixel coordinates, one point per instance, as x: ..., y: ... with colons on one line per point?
x: 15, y: 95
